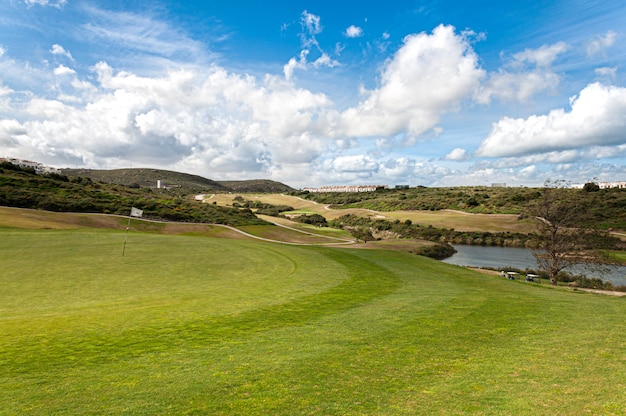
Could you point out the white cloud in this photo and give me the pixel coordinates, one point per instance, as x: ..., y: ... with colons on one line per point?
x: 217, y: 121
x: 294, y: 64
x: 457, y: 154
x: 431, y: 74
x: 541, y: 57
x: 364, y: 169
x: 526, y: 75
x: 359, y: 163
x: 302, y: 63
x: 311, y: 26
x: 59, y: 50
x: 606, y: 72
x: 56, y: 4
x: 4, y: 90
x: 325, y: 61
x: 353, y: 32
x: 596, y: 118
x: 11, y: 127
x: 507, y: 86
x: 311, y: 22
x: 600, y: 44
x: 63, y: 70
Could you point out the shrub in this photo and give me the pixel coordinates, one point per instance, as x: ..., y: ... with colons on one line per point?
x: 436, y: 251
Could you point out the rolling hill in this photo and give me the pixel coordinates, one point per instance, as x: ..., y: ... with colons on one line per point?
x: 145, y: 177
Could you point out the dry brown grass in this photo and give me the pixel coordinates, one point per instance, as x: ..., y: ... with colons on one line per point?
x: 37, y: 219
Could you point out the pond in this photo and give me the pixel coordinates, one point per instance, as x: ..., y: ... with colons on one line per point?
x: 502, y: 258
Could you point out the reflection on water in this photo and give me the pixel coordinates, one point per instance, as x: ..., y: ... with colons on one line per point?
x: 519, y: 258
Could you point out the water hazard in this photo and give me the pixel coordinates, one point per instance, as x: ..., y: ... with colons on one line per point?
x: 502, y: 258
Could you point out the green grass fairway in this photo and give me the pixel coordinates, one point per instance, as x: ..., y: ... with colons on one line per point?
x: 206, y: 326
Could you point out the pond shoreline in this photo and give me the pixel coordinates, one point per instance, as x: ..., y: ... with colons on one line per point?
x: 521, y: 259
x: 573, y: 289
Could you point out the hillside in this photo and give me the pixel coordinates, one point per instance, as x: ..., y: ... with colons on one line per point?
x: 144, y: 177
x: 256, y: 186
x: 607, y: 207
x: 24, y: 188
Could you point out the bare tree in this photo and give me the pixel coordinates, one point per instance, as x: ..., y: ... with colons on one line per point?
x: 566, y: 235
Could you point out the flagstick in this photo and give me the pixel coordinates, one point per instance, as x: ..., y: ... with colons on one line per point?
x: 126, y: 237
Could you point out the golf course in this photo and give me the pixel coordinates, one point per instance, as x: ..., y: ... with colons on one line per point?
x: 205, y: 320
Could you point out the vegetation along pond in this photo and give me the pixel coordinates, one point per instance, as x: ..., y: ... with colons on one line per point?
x: 519, y: 258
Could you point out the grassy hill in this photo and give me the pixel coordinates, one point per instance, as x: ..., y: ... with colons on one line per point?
x: 197, y: 325
x: 257, y: 186
x: 142, y: 177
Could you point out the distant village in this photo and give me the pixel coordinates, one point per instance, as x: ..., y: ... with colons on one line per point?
x: 372, y: 188
x: 347, y: 188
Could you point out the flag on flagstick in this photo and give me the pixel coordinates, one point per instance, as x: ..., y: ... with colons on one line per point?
x: 136, y: 212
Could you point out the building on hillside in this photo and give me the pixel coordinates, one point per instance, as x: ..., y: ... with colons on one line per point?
x: 603, y: 185
x: 160, y: 184
x: 609, y: 185
x: 347, y: 188
x: 38, y: 167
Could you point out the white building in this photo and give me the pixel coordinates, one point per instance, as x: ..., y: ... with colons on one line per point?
x: 603, y: 185
x: 39, y: 167
x: 347, y: 188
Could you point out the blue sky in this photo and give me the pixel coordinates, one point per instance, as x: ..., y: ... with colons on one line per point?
x: 312, y: 93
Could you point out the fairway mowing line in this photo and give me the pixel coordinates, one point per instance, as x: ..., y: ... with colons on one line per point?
x: 344, y: 241
x: 255, y: 236
x: 287, y: 242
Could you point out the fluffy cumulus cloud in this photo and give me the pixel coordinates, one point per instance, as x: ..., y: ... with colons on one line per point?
x: 359, y: 163
x: 596, y: 118
x: 354, y: 32
x: 63, y: 70
x: 220, y: 121
x: 457, y: 154
x: 59, y: 50
x: 526, y: 75
x: 428, y: 76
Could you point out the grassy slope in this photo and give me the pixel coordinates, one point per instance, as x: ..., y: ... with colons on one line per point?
x: 192, y: 325
x: 296, y: 233
x: 460, y: 221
